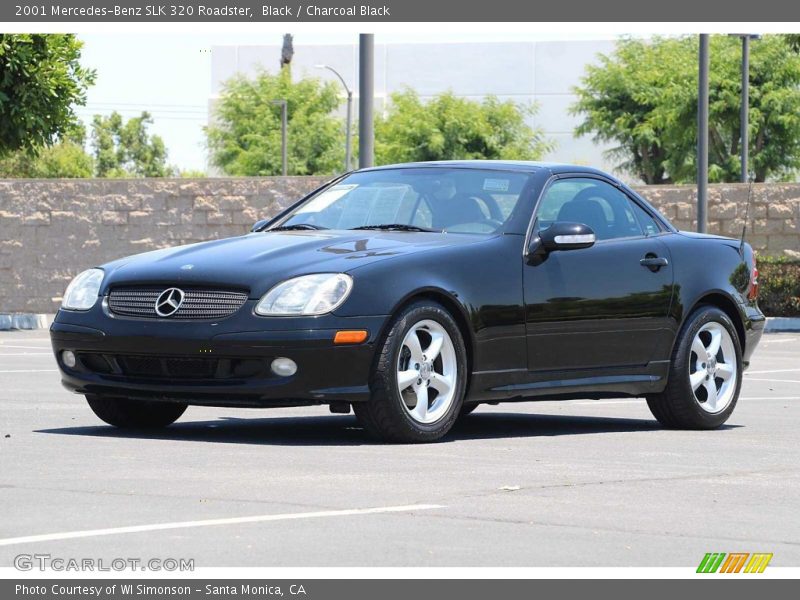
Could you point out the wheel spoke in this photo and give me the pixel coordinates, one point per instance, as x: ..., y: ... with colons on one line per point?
x: 716, y: 340
x: 412, y: 343
x: 715, y: 368
x: 441, y: 383
x: 724, y: 371
x: 697, y: 378
x: 438, y: 370
x: 699, y: 349
x: 421, y: 409
x: 406, y: 378
x: 432, y: 351
x: 711, y: 389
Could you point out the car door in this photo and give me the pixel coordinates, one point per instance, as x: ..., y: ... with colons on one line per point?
x: 597, y: 307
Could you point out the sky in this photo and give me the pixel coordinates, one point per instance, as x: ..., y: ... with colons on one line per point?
x: 169, y: 75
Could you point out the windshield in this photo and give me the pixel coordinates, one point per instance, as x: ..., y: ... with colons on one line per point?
x: 414, y: 199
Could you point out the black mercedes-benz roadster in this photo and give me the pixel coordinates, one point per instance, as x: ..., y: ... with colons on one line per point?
x: 413, y: 293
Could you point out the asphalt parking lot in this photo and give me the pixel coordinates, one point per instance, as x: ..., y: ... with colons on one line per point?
x: 577, y: 483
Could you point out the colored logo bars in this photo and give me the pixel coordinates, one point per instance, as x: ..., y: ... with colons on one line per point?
x: 735, y: 562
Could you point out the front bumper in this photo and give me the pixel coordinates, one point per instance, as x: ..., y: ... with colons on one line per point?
x: 215, y: 363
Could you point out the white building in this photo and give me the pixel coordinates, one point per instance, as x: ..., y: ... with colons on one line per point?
x: 541, y: 72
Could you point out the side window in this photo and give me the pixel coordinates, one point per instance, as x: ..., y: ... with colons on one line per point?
x: 593, y: 202
x: 647, y: 222
x: 556, y: 196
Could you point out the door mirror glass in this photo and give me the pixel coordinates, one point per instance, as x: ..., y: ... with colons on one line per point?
x: 563, y: 235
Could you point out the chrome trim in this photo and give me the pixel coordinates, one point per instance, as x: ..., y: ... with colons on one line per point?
x: 197, y: 304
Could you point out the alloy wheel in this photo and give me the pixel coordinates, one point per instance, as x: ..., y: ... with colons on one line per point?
x: 427, y: 372
x: 713, y: 368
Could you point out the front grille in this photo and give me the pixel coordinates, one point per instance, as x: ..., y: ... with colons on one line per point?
x: 197, y: 304
x: 174, y: 367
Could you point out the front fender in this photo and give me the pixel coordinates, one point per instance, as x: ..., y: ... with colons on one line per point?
x: 480, y: 282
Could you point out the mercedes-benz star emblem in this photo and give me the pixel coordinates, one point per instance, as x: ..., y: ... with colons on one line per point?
x: 169, y: 302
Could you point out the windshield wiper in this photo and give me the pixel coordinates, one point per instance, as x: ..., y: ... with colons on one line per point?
x: 296, y: 227
x: 398, y: 227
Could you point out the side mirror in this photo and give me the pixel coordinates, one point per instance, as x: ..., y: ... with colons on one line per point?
x: 257, y: 226
x: 562, y: 235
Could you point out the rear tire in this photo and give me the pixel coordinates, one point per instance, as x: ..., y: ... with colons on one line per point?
x: 135, y: 414
x: 419, y: 377
x: 705, y: 374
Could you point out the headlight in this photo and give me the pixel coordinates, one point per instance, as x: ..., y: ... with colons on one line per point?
x: 82, y: 293
x: 306, y: 295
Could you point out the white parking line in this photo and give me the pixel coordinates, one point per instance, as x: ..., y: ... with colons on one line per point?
x: 31, y: 371
x: 26, y: 354
x: 69, y: 535
x: 3, y: 346
x: 780, y: 341
x: 773, y: 353
x: 772, y: 371
x: 640, y: 400
x: 774, y: 380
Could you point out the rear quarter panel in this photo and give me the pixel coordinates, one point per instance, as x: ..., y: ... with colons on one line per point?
x: 710, y: 267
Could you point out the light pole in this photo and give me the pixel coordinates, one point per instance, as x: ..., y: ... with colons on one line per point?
x: 702, y: 134
x: 744, y: 114
x: 366, y: 99
x: 284, y: 141
x: 347, y: 152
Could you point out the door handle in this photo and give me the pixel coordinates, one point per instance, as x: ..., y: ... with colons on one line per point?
x: 654, y: 263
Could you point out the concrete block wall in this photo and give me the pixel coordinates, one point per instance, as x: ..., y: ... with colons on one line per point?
x: 773, y: 223
x: 52, y: 229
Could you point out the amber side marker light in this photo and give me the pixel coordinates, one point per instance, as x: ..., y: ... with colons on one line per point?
x: 350, y: 337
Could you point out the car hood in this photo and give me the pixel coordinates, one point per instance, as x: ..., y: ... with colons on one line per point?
x: 258, y: 261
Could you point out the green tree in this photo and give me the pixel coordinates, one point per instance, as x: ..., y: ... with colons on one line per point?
x: 246, y: 136
x: 793, y: 39
x: 65, y: 158
x: 643, y: 97
x: 192, y: 174
x: 448, y: 127
x: 41, y: 81
x: 126, y: 149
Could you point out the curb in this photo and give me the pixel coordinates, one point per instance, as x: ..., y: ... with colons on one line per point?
x: 779, y: 324
x: 9, y: 322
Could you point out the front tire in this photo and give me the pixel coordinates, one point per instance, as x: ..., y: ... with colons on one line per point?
x: 419, y: 377
x: 468, y: 409
x: 135, y: 414
x: 705, y: 374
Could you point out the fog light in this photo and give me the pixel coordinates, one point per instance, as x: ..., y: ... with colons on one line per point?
x: 68, y: 358
x: 284, y: 367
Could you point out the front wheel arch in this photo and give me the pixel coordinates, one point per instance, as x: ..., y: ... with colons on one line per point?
x: 452, y: 306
